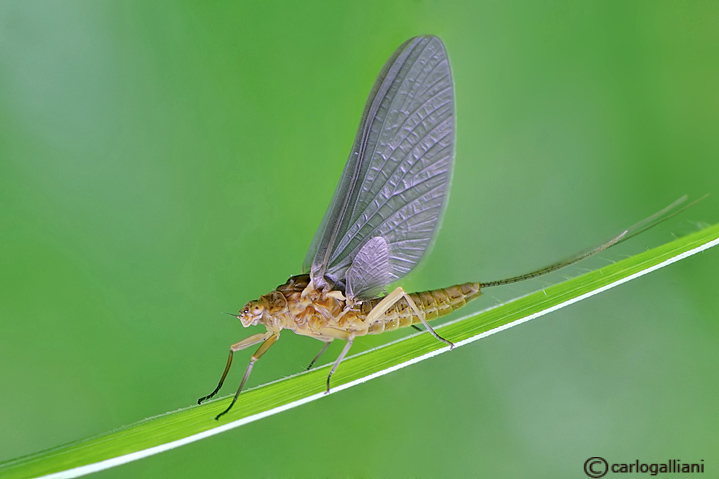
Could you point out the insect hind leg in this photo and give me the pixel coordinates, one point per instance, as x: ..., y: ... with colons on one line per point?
x: 393, y: 298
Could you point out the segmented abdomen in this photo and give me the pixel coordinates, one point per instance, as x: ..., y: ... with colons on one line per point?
x: 434, y: 304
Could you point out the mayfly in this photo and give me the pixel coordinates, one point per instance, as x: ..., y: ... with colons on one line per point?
x: 382, y: 217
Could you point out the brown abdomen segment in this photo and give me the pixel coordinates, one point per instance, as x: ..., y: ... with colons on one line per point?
x: 435, y: 303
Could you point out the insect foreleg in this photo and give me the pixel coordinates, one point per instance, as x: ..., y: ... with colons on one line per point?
x: 393, y: 298
x: 270, y: 338
x: 342, y: 355
x: 245, y: 343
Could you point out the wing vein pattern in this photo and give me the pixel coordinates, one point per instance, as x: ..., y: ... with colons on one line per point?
x: 392, y: 192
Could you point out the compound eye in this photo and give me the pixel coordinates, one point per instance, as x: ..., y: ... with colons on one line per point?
x: 256, y: 310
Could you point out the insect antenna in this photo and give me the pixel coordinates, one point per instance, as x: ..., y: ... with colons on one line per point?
x: 655, y: 219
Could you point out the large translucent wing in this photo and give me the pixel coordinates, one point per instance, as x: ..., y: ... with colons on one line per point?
x: 395, y: 182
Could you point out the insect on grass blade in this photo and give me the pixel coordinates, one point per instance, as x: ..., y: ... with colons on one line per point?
x: 385, y: 211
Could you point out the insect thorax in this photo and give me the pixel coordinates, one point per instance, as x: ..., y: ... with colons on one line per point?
x: 298, y: 306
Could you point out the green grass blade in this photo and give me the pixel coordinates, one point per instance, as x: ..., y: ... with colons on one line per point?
x: 177, y: 428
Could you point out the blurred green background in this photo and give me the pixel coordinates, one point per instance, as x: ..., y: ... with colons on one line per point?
x: 162, y: 162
